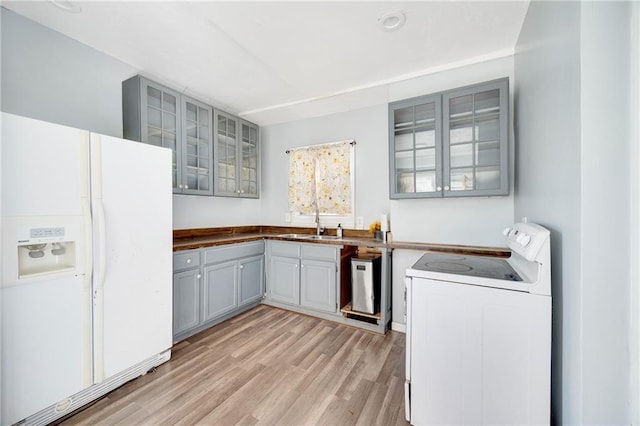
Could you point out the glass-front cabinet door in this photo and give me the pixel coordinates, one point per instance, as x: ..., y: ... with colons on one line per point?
x: 197, y: 149
x: 476, y: 140
x: 237, y: 157
x: 226, y: 182
x: 161, y: 122
x: 415, y: 148
x: 249, y: 156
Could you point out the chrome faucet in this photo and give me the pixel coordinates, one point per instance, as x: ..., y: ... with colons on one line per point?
x: 319, y: 229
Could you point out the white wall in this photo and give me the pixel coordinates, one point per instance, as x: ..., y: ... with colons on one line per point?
x: 572, y: 131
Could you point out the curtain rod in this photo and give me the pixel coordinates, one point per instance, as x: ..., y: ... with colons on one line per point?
x: 352, y: 143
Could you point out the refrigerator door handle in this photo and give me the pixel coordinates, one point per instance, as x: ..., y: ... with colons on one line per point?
x: 101, y: 258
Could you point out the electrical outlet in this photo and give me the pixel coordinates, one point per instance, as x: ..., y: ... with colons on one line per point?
x: 287, y: 217
x: 359, y: 222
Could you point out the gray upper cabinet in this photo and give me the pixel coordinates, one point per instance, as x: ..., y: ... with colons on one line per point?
x: 159, y: 116
x: 237, y: 157
x: 451, y: 144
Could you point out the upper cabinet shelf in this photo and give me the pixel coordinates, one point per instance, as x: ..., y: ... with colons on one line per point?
x: 450, y: 144
x: 207, y: 158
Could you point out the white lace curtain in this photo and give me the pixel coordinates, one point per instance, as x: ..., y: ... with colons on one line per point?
x: 320, y: 174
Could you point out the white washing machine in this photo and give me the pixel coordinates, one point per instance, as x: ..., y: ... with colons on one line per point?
x: 479, y: 335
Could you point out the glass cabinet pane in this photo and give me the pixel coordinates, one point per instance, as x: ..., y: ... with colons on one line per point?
x: 425, y: 137
x: 461, y: 106
x: 425, y: 159
x: 426, y: 181
x: 403, y: 118
x: 461, y: 179
x: 488, y: 177
x: 461, y: 131
x: 487, y: 128
x: 486, y: 102
x: 404, y: 140
x: 461, y: 155
x: 154, y: 97
x: 404, y: 161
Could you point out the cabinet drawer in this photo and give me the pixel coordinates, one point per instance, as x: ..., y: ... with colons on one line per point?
x: 279, y: 248
x: 319, y: 251
x: 233, y: 251
x: 186, y: 259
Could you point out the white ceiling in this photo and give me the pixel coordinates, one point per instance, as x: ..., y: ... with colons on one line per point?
x: 271, y: 62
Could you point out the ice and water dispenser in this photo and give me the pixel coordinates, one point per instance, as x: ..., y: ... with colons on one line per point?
x: 365, y: 282
x: 44, y: 251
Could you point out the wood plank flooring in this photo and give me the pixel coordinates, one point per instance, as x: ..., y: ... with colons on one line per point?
x: 266, y: 366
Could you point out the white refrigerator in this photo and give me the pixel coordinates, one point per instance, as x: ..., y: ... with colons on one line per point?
x: 86, y: 292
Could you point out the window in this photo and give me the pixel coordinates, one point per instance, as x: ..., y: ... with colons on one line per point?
x: 321, y: 179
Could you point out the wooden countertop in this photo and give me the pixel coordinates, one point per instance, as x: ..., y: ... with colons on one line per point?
x: 185, y: 239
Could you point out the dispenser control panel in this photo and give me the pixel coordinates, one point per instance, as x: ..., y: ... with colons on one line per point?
x: 44, y: 250
x: 40, y: 234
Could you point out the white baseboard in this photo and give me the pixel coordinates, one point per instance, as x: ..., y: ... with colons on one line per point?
x: 397, y: 326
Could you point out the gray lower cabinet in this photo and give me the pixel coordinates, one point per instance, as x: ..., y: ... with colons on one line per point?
x: 284, y: 279
x: 220, y: 294
x: 186, y: 300
x: 318, y: 285
x: 251, y: 279
x: 212, y: 284
x: 304, y: 275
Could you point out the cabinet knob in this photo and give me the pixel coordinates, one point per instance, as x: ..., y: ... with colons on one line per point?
x: 180, y: 186
x: 439, y: 188
x: 241, y: 266
x: 242, y: 192
x: 446, y: 188
x: 186, y: 187
x: 189, y: 260
x: 199, y: 276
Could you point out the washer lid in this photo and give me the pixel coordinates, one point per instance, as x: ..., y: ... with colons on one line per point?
x: 473, y: 266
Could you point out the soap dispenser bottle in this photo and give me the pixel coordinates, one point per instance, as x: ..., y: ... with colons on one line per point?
x: 339, y: 231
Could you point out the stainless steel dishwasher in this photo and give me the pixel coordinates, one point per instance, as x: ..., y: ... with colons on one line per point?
x: 365, y: 282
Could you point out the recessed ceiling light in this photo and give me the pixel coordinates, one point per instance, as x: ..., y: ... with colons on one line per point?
x: 392, y: 21
x: 67, y: 6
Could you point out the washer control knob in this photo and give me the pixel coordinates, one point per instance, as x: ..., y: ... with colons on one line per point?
x: 506, y: 231
x: 523, y: 239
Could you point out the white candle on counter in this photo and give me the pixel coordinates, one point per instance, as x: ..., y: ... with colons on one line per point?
x: 384, y: 223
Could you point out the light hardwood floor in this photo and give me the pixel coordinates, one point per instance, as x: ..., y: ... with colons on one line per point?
x: 266, y: 366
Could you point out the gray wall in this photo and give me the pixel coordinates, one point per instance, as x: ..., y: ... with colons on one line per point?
x: 478, y: 220
x: 572, y: 174
x: 51, y: 77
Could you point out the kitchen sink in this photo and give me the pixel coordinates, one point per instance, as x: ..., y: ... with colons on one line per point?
x: 321, y: 237
x: 310, y: 236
